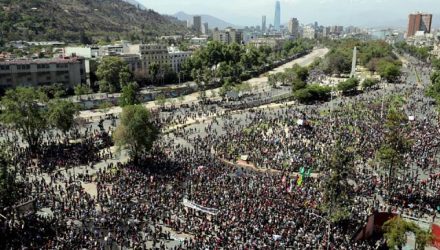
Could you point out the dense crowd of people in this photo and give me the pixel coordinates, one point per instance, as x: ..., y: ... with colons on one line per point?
x: 140, y: 208
x: 185, y: 194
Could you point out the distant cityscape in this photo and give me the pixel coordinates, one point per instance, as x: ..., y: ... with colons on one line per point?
x: 166, y: 50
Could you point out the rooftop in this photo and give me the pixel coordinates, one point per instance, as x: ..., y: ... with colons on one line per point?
x: 41, y: 61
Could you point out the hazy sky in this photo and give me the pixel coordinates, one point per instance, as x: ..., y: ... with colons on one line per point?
x: 327, y: 12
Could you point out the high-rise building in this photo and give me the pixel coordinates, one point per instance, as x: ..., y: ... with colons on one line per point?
x: 309, y: 32
x: 419, y: 22
x: 263, y: 24
x: 228, y: 36
x: 293, y: 27
x: 277, y: 20
x: 197, y: 24
x: 205, y: 28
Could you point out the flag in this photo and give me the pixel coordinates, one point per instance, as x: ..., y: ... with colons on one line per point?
x: 308, y: 173
x: 299, y: 181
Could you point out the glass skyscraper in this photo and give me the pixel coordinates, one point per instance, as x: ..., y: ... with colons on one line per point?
x: 263, y: 24
x: 277, y: 20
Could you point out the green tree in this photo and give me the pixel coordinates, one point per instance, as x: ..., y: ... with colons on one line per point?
x: 369, y: 83
x: 389, y: 71
x: 396, y: 230
x: 129, y: 95
x: 312, y: 92
x: 433, y: 90
x: 303, y: 95
x: 348, y: 86
x: 395, y: 233
x: 336, y: 189
x: 435, y: 63
x: 301, y: 73
x: 22, y: 110
x: 395, y: 145
x: 136, y: 132
x: 338, y: 61
x: 62, y: 114
x: 112, y: 73
x: 81, y: 89
x: 55, y: 90
x: 154, y: 71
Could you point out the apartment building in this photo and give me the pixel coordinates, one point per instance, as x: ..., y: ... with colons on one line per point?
x: 68, y: 71
x: 177, y: 58
x: 228, y: 36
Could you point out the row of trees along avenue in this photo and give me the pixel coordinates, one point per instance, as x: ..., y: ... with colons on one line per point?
x: 230, y: 64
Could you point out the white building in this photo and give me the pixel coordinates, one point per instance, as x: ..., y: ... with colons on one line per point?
x: 309, y: 32
x: 199, y: 41
x: 86, y: 52
x: 421, y: 39
x: 273, y: 42
x: 111, y: 50
x: 141, y: 56
x: 293, y: 27
x: 177, y: 58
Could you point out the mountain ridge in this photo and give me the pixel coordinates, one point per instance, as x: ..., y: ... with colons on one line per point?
x: 82, y: 21
x: 136, y: 3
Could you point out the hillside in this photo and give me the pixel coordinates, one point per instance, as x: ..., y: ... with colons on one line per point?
x: 85, y: 20
x: 135, y: 3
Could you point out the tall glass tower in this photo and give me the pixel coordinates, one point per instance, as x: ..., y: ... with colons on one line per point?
x: 277, y: 20
x: 263, y: 24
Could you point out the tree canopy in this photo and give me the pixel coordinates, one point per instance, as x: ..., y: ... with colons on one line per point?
x: 129, y: 95
x: 421, y: 53
x: 348, y: 86
x: 388, y: 70
x: 396, y: 230
x: 23, y: 110
x: 61, y: 114
x: 433, y: 90
x: 395, y: 144
x: 370, y: 54
x: 311, y: 93
x: 112, y: 73
x: 337, y: 191
x: 136, y: 132
x: 236, y: 62
x: 369, y: 83
x: 29, y: 112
